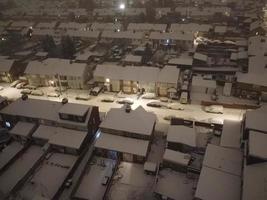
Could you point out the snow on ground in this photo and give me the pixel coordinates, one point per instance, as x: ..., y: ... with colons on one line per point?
x: 130, y: 182
x: 191, y: 111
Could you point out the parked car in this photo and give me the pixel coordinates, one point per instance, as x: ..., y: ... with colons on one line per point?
x: 1, y: 88
x: 217, y: 109
x: 26, y: 91
x: 175, y: 106
x: 149, y: 96
x: 31, y: 87
x: 82, y: 97
x: 37, y: 93
x: 126, y: 101
x: 21, y: 85
x: 53, y: 94
x: 108, y: 99
x: 14, y: 83
x: 96, y: 90
x: 169, y: 117
x: 155, y: 104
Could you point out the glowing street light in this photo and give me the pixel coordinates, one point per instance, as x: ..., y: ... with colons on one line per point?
x: 122, y: 6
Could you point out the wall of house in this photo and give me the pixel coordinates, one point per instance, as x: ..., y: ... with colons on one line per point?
x: 163, y: 88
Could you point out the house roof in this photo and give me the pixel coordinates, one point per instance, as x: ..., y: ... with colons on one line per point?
x: 181, y: 61
x: 106, y: 26
x: 54, y: 66
x: 176, y: 157
x: 191, y: 27
x: 256, y: 120
x: 171, y: 36
x: 169, y: 74
x: 182, y: 134
x: 122, y: 144
x: 132, y: 58
x: 200, y: 82
x: 257, y: 144
x: 254, y: 182
x: 67, y: 138
x: 202, y: 57
x: 44, y: 109
x: 146, y: 27
x: 5, y: 65
x: 83, y: 33
x: 231, y: 134
x: 22, y: 129
x: 215, y: 184
x: 122, y: 34
x: 118, y: 119
x: 74, y: 109
x: 224, y: 159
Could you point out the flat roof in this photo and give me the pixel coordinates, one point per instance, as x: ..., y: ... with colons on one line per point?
x: 200, y: 82
x: 224, y: 159
x: 67, y: 138
x: 91, y: 186
x: 174, y: 185
x: 257, y: 144
x: 122, y: 144
x: 9, y: 152
x: 137, y: 121
x: 254, y: 182
x: 74, y: 109
x: 22, y: 129
x: 182, y: 134
x: 215, y: 184
x: 181, y: 61
x: 256, y: 120
x: 21, y: 166
x: 50, y: 175
x: 231, y: 134
x: 176, y: 157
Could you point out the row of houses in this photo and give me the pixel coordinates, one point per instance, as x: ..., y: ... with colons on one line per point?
x: 131, y: 79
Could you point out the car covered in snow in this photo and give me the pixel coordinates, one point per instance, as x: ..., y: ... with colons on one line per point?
x: 83, y: 97
x: 175, y: 106
x: 26, y: 91
x: 53, y: 94
x: 149, y: 96
x: 107, y: 99
x: 217, y: 109
x: 125, y: 101
x: 37, y: 93
x: 96, y: 90
x: 15, y: 83
x: 155, y: 104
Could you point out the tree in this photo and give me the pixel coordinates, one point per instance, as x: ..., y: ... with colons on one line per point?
x: 68, y: 47
x: 48, y: 44
x: 87, y: 4
x: 147, y: 54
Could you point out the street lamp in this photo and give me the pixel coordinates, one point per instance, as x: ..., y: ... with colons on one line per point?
x: 122, y: 6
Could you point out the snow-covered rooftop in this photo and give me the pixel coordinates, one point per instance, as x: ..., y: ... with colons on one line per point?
x: 169, y: 74
x: 171, y: 36
x: 60, y: 136
x: 257, y: 144
x: 231, y: 134
x: 200, y: 82
x: 122, y: 144
x: 176, y: 157
x: 256, y: 120
x: 9, y: 152
x: 215, y: 184
x: 181, y: 61
x: 74, y: 109
x: 224, y: 159
x: 22, y: 129
x: 146, y: 27
x: 55, y: 66
x: 254, y: 182
x: 137, y: 121
x: 5, y: 65
x: 182, y: 134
